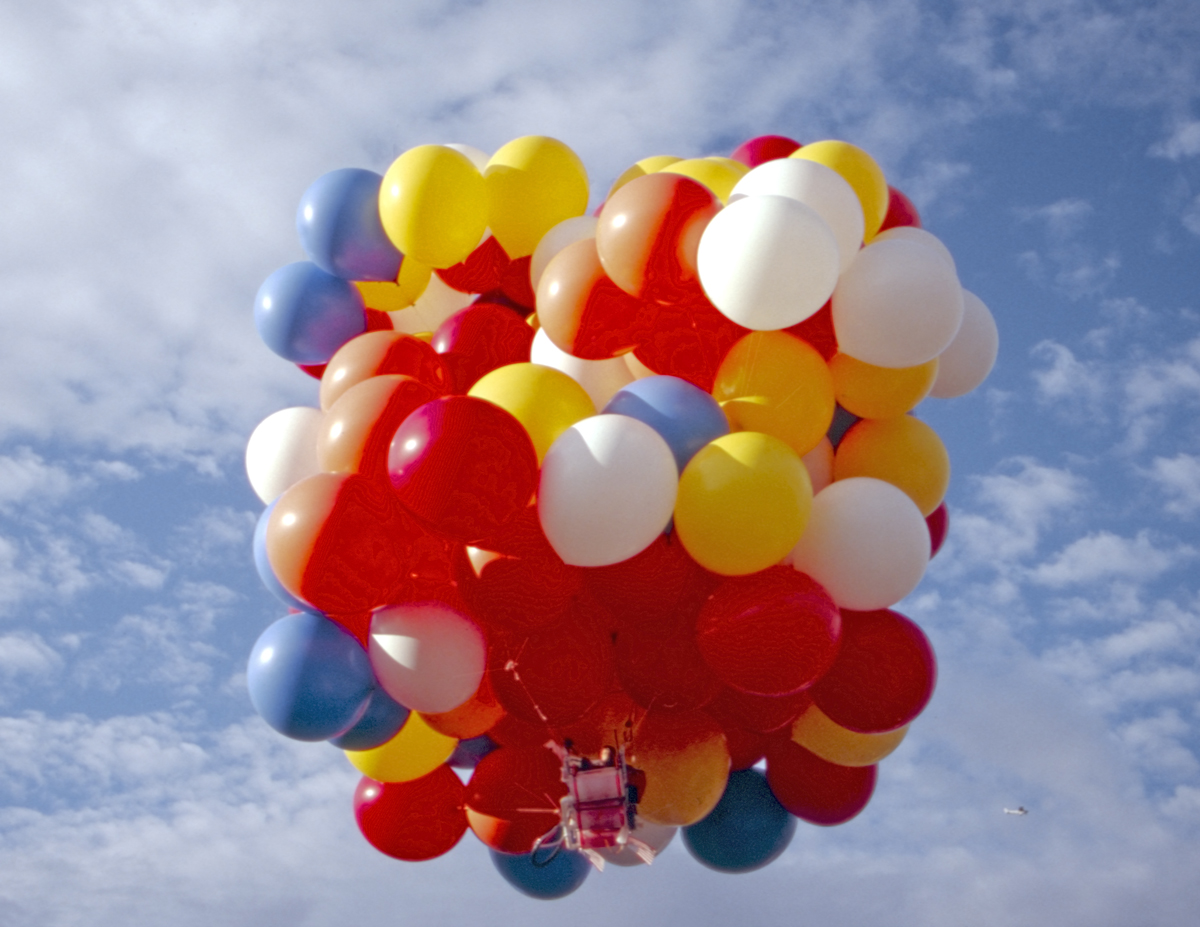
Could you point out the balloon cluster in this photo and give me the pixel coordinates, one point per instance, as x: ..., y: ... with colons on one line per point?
x: 646, y: 479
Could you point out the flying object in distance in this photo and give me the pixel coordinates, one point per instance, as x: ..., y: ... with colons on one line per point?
x: 1020, y: 809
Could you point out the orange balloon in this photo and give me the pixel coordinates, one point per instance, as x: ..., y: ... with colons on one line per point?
x: 903, y: 451
x: 686, y: 762
x: 358, y: 428
x: 880, y: 392
x: 778, y: 384
x: 376, y: 353
x: 835, y: 744
x: 477, y: 715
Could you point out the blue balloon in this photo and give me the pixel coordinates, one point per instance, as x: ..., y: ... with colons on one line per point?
x: 309, y: 678
x: 379, y: 723
x: 263, y: 565
x: 339, y: 227
x: 843, y: 421
x: 686, y: 416
x: 469, y: 752
x: 546, y: 879
x: 746, y: 830
x: 304, y: 314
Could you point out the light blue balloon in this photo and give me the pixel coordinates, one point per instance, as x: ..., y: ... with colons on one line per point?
x: 546, y: 879
x: 684, y: 415
x: 339, y: 227
x: 747, y: 829
x: 304, y: 314
x: 309, y: 678
x: 379, y: 723
x: 263, y: 564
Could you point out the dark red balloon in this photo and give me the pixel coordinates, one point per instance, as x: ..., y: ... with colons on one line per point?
x: 512, y: 732
x: 516, y: 285
x: 764, y: 148
x: 817, y: 330
x: 513, y: 593
x: 463, y: 466
x: 939, y: 525
x: 883, y: 676
x: 661, y: 667
x: 341, y: 543
x: 815, y: 790
x: 770, y: 633
x: 901, y: 211
x: 481, y: 271
x: 416, y: 820
x: 478, y: 339
x: 687, y: 338
x: 552, y: 675
x: 512, y: 797
x: 745, y: 747
x: 763, y: 714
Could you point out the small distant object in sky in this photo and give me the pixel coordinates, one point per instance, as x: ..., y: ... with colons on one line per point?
x: 1020, y: 809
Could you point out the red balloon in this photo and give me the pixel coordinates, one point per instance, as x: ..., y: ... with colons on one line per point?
x: 939, y: 525
x: 552, y: 675
x: 901, y: 211
x: 520, y: 593
x: 883, y: 676
x: 649, y: 232
x: 413, y: 821
x: 516, y: 285
x: 745, y: 747
x: 478, y: 339
x: 581, y: 310
x: 357, y: 430
x: 481, y: 271
x: 378, y: 353
x: 512, y: 797
x: 653, y: 587
x: 661, y: 667
x: 316, y: 371
x: 687, y: 338
x: 769, y: 633
x: 513, y: 732
x: 763, y: 714
x: 815, y: 790
x: 341, y: 543
x: 817, y: 330
x: 463, y: 466
x: 764, y: 148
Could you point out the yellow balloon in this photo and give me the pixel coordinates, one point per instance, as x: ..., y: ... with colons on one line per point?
x: 743, y: 502
x: 392, y: 296
x: 433, y: 205
x: 533, y: 183
x: 546, y: 401
x: 860, y: 171
x: 903, y: 451
x: 831, y: 742
x: 880, y: 392
x: 717, y: 174
x: 415, y: 752
x: 778, y: 384
x: 651, y: 165
x: 686, y: 761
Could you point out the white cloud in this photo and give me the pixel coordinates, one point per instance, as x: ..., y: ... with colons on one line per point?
x: 1103, y: 555
x: 1179, y: 478
x: 1066, y: 380
x: 1183, y: 142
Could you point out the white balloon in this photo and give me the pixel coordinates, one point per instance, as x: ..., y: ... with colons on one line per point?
x: 768, y: 262
x: 607, y: 490
x: 426, y: 655
x: 815, y: 185
x: 866, y: 543
x: 912, y: 233
x: 600, y: 379
x: 282, y: 450
x: 971, y: 355
x: 655, y: 836
x: 565, y: 233
x: 899, y: 305
x: 819, y: 464
x: 437, y: 303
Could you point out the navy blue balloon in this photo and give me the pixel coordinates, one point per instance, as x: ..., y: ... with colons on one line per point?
x: 551, y: 879
x: 309, y: 678
x: 746, y: 830
x: 686, y: 416
x: 263, y: 565
x: 469, y: 752
x: 339, y: 227
x: 379, y: 723
x: 304, y: 314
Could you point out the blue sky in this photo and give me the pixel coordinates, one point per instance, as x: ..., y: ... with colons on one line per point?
x: 153, y: 155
